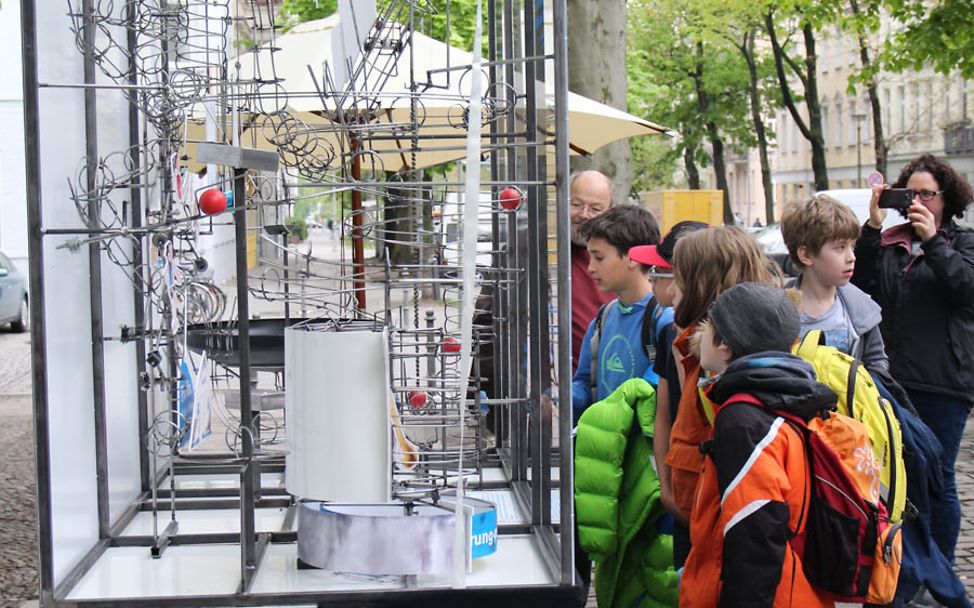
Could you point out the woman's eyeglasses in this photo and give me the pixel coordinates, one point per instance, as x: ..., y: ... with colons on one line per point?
x: 926, y: 195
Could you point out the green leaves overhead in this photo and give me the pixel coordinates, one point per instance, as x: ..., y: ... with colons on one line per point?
x: 683, y: 51
x: 430, y: 17
x: 940, y: 34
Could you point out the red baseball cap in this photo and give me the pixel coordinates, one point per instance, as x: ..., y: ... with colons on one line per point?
x: 647, y: 254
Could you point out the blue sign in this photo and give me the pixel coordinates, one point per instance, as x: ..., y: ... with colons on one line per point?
x: 483, y: 533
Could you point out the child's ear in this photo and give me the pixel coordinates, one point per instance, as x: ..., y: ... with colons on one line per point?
x: 805, y: 255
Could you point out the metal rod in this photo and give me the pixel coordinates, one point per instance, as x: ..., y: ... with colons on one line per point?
x: 139, y: 297
x: 563, y: 231
x: 537, y: 280
x: 95, y: 281
x: 248, y: 554
x: 38, y: 333
x: 420, y: 184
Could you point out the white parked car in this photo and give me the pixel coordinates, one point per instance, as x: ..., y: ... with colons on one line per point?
x: 13, y: 296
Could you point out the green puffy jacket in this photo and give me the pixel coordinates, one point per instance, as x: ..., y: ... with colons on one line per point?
x: 617, y: 500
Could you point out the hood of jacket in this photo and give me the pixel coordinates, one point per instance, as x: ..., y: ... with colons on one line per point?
x: 781, y: 381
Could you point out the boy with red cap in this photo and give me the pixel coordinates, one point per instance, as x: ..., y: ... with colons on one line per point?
x: 660, y: 260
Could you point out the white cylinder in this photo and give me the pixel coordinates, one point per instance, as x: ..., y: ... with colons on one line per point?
x: 337, y: 398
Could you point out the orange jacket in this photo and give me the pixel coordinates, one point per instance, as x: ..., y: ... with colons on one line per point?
x: 690, y: 428
x: 751, y: 494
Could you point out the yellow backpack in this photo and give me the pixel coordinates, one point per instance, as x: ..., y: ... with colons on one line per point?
x: 859, y: 398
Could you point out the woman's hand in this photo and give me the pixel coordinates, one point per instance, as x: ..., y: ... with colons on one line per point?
x: 877, y: 215
x: 923, y: 222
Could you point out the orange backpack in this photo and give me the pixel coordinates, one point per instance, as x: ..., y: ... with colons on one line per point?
x: 848, y: 441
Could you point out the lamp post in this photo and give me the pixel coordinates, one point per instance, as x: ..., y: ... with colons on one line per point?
x: 859, y: 116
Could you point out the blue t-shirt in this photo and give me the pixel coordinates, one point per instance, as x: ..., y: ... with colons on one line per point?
x: 835, y: 325
x: 621, y: 353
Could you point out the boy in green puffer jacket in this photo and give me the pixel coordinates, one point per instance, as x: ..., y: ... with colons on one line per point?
x: 617, y: 501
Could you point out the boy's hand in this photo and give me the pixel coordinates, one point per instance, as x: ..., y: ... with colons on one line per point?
x: 923, y: 222
x: 877, y: 215
x: 669, y: 503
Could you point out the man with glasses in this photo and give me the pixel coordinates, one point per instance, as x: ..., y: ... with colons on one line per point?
x: 591, y: 196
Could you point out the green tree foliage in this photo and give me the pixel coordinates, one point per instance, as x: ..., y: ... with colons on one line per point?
x: 940, y: 34
x: 431, y: 21
x: 686, y: 74
x: 299, y: 11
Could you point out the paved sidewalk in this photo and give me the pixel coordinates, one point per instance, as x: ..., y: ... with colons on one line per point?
x: 18, y: 558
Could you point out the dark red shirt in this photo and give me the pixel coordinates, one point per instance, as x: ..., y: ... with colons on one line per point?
x: 586, y: 299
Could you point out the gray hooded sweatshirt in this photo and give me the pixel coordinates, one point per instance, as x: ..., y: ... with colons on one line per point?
x: 864, y: 315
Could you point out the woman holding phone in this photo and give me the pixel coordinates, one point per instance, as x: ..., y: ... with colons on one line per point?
x: 922, y: 275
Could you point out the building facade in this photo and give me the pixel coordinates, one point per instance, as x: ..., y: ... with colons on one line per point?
x: 921, y: 112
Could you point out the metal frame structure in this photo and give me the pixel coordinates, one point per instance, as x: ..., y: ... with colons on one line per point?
x: 524, y: 397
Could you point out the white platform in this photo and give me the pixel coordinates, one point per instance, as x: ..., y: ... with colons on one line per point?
x: 124, y: 572
x: 204, y: 521
x: 221, y: 481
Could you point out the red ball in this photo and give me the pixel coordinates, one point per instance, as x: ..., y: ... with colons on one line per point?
x: 510, y: 198
x: 418, y: 399
x: 451, y: 345
x: 213, y: 201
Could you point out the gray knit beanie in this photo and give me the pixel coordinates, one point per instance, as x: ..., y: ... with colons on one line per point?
x: 754, y: 317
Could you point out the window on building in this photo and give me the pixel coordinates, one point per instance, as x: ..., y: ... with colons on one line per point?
x: 901, y: 105
x: 928, y: 103
x: 915, y: 106
x: 781, y: 131
x: 887, y: 125
x: 839, y: 136
x: 825, y: 126
x: 963, y: 104
x: 948, y: 112
x: 795, y: 135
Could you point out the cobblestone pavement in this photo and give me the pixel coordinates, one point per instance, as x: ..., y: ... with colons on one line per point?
x: 18, y: 558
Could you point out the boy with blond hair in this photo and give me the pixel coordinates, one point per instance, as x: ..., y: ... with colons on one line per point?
x: 821, y: 235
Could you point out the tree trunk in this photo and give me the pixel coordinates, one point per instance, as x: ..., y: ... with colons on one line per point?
x: 597, y: 69
x: 879, y: 140
x: 755, y: 97
x: 690, y: 164
x: 713, y: 134
x: 820, y: 169
x: 812, y: 131
x: 403, y: 217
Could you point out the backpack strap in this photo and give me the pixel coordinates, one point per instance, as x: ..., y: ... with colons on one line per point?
x: 594, y: 348
x: 651, y: 316
x: 812, y: 340
x: 850, y: 394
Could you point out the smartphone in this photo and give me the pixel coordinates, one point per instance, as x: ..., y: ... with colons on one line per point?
x: 896, y: 198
